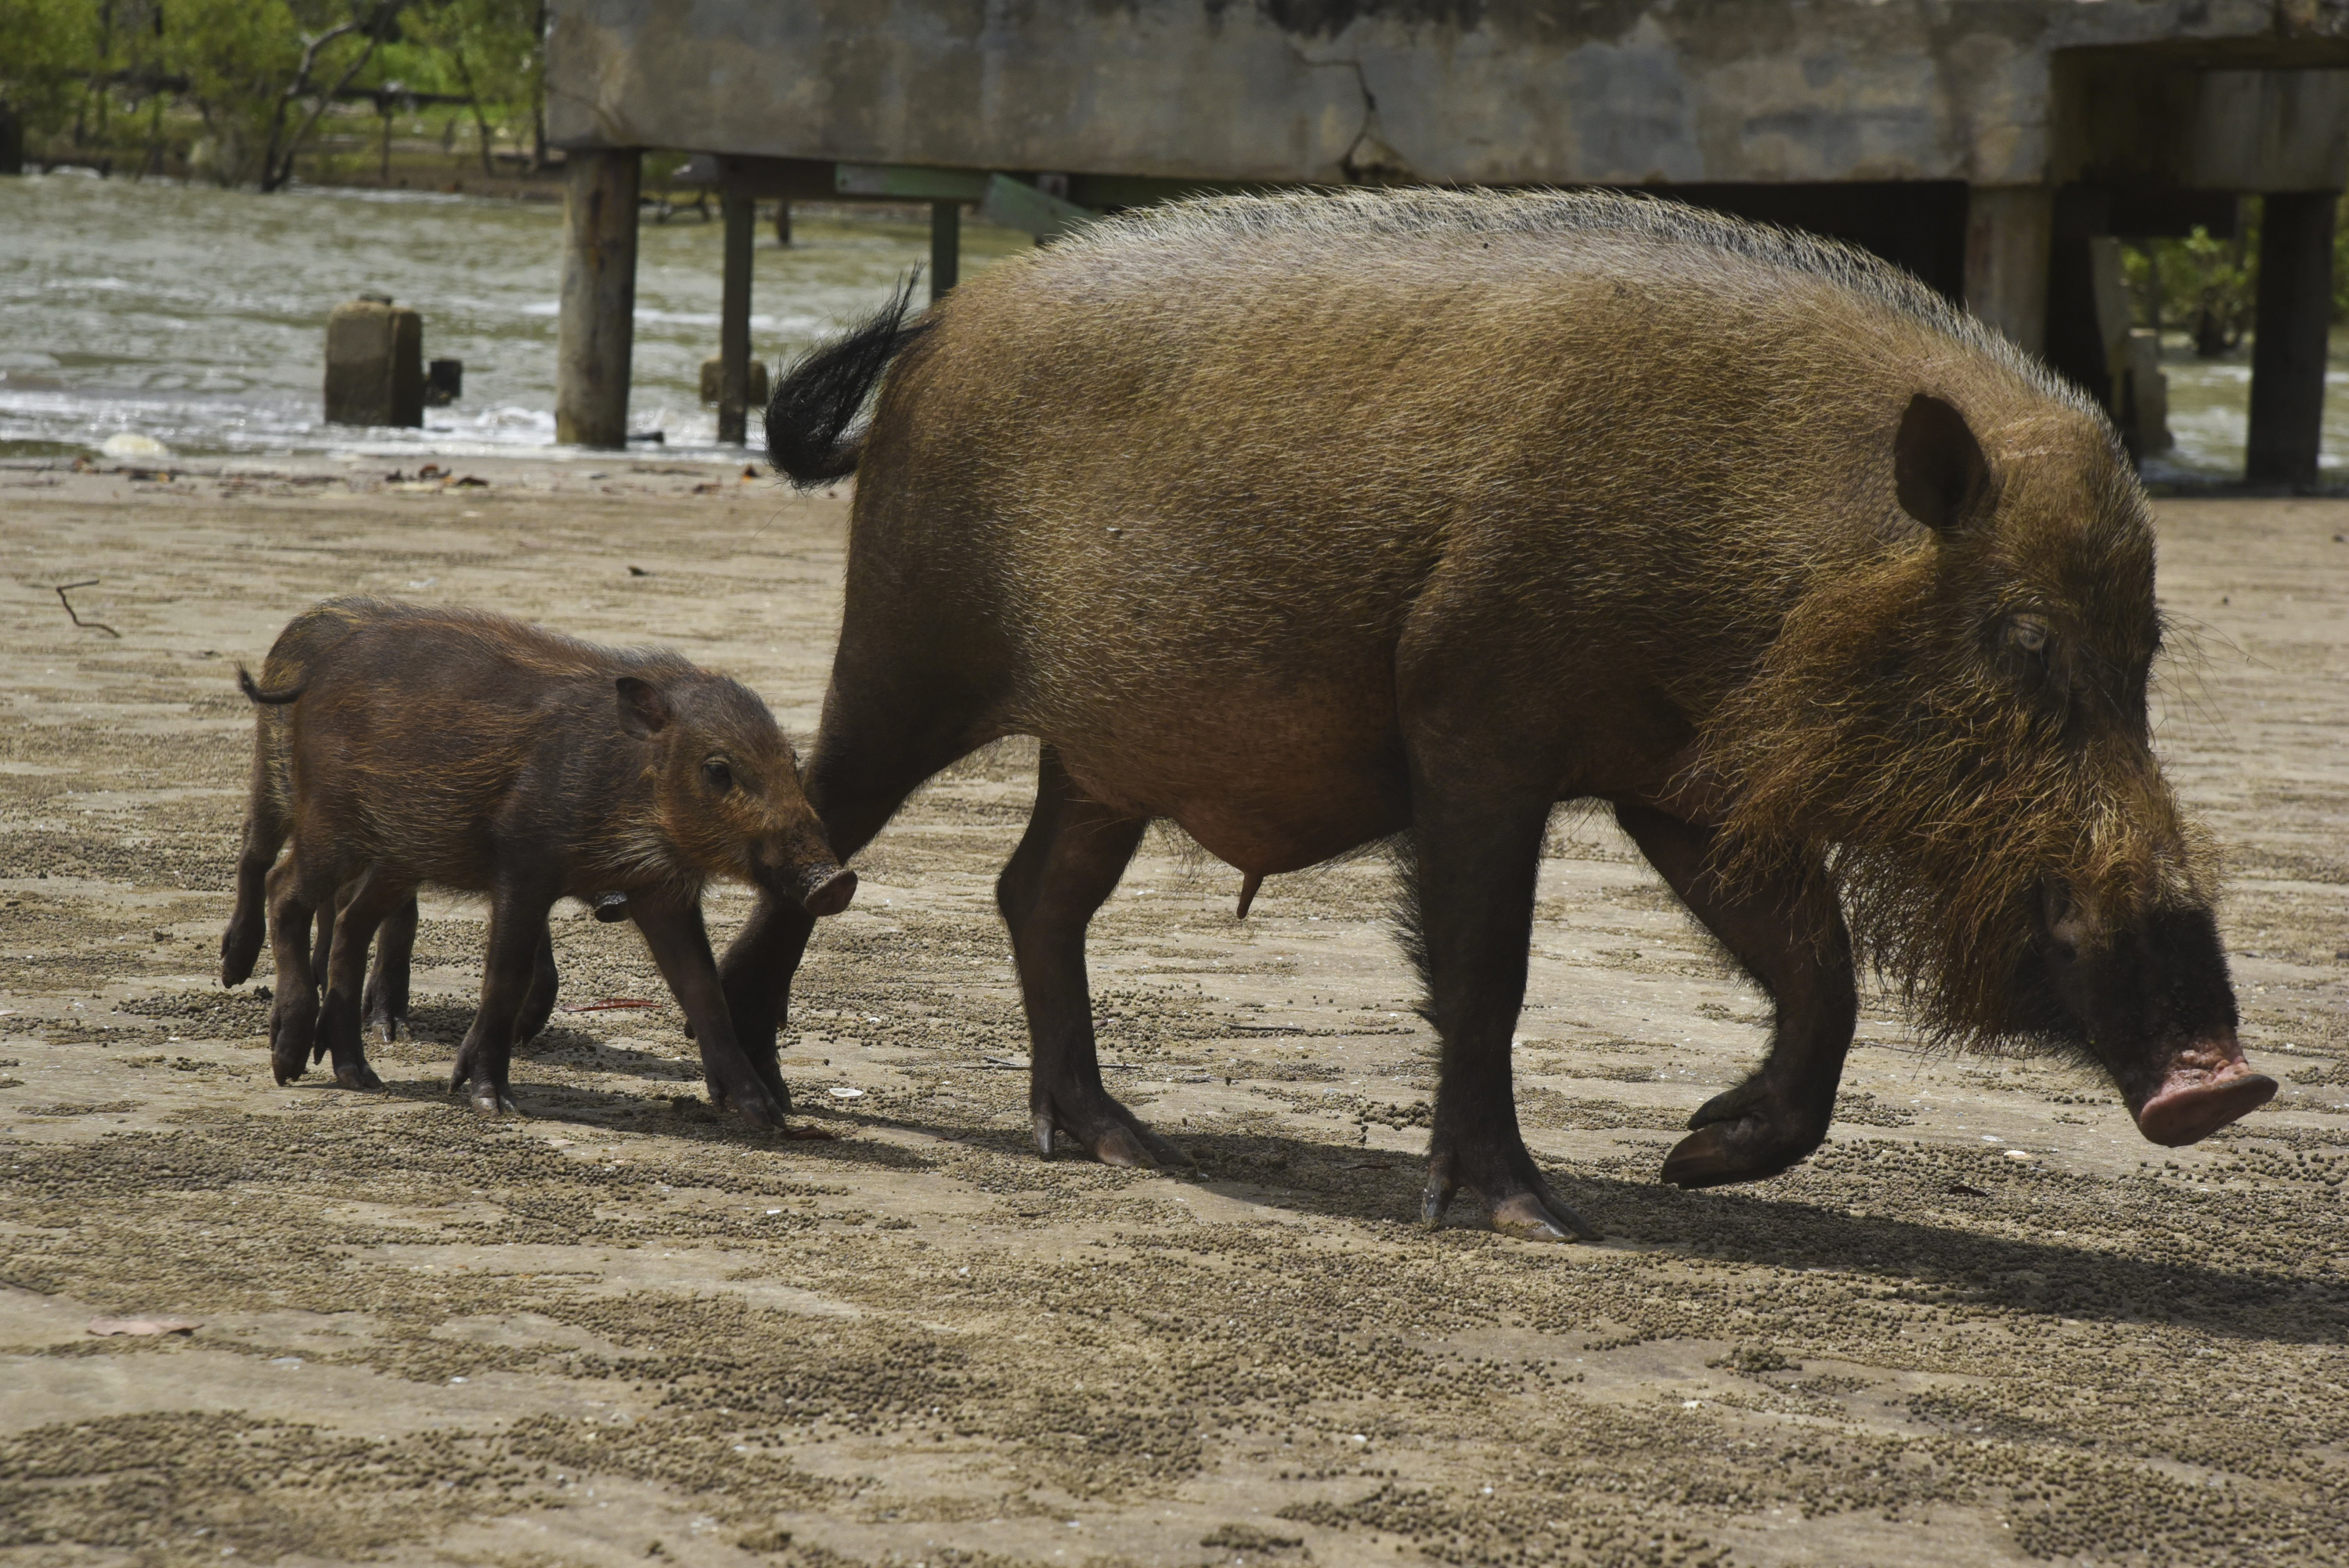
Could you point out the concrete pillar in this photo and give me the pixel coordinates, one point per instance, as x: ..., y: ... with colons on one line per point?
x: 734, y: 320
x: 374, y: 363
x: 2008, y: 228
x: 784, y: 224
x: 599, y: 297
x: 2295, y: 308
x: 946, y: 247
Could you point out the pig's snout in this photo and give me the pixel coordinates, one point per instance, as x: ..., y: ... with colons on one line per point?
x: 826, y: 889
x: 2203, y: 1087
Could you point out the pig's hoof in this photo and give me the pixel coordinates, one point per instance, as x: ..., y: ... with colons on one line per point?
x: 1532, y: 1215
x: 1540, y: 1217
x: 492, y: 1100
x: 1113, y: 1136
x: 1745, y: 1134
x: 356, y: 1074
x: 1746, y: 1150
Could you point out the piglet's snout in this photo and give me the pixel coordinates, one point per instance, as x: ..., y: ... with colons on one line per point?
x: 809, y: 876
x: 826, y: 889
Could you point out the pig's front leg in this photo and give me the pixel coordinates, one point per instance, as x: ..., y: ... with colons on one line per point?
x: 757, y: 975
x: 1789, y: 937
x: 680, y: 945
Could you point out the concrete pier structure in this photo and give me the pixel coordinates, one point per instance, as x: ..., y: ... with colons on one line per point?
x: 1982, y: 147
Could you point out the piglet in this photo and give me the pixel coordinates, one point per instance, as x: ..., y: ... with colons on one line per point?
x: 466, y: 750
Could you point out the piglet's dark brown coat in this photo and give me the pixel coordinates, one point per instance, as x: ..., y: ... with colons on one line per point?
x: 429, y: 746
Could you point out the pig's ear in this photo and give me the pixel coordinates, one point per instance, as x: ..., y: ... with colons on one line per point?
x: 644, y: 712
x: 1938, y: 468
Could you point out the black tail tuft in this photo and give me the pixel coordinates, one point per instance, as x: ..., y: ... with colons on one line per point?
x: 809, y: 438
x: 262, y: 693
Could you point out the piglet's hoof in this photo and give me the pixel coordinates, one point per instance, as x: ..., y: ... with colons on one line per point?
x: 356, y: 1074
x: 489, y: 1099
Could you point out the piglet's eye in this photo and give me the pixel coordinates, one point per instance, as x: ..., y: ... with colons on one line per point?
x: 2028, y: 633
x: 720, y: 776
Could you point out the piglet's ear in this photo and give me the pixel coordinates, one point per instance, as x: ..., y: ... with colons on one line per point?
x: 644, y: 712
x: 1938, y: 467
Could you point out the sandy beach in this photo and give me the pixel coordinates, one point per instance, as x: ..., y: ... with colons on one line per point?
x: 1986, y: 1323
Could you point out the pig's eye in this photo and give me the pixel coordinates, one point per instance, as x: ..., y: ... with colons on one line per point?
x: 2028, y: 633
x: 720, y: 776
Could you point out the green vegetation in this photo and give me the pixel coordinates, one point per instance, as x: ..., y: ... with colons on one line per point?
x: 241, y: 90
x: 2207, y: 287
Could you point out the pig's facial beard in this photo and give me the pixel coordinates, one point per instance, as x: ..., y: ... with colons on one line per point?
x: 1875, y: 749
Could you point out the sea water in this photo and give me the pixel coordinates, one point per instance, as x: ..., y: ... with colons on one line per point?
x: 196, y: 317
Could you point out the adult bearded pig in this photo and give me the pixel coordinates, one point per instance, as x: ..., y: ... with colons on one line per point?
x: 1307, y: 520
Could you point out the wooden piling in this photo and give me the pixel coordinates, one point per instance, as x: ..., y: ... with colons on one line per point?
x: 734, y: 321
x: 946, y: 247
x: 597, y: 328
x: 2008, y: 230
x: 2294, y: 310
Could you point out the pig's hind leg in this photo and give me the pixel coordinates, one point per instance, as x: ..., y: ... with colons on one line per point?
x: 517, y: 928
x: 679, y: 943
x: 365, y: 902
x: 1068, y: 863
x: 1789, y: 937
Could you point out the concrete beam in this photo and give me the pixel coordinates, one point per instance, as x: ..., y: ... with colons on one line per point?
x: 2008, y: 231
x: 1635, y: 92
x: 2294, y: 313
x: 597, y: 333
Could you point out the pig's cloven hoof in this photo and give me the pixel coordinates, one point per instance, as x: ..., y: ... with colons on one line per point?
x: 1116, y: 1137
x: 1534, y: 1214
x: 1744, y: 1135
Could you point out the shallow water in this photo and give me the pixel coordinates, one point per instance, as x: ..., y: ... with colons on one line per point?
x: 2210, y: 414
x: 196, y: 317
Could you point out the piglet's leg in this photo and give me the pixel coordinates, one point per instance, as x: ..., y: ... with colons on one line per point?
x: 517, y: 927
x: 680, y: 945
x: 539, y: 1006
x: 1789, y: 935
x: 385, y: 1004
x: 294, y: 1011
x: 366, y: 901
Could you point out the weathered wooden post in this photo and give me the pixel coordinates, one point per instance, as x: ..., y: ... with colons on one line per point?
x: 734, y: 319
x: 2008, y: 230
x: 597, y: 329
x: 2294, y: 310
x: 946, y: 246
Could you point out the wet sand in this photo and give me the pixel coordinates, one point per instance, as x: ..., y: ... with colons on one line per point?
x: 1985, y: 1323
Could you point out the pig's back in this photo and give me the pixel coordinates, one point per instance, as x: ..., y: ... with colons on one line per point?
x: 1227, y: 445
